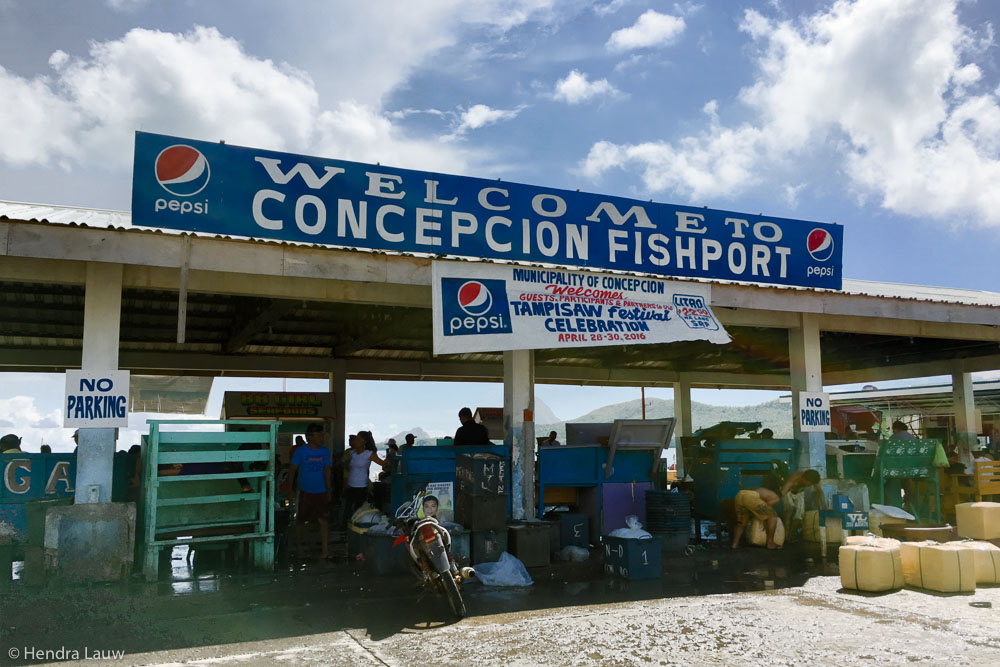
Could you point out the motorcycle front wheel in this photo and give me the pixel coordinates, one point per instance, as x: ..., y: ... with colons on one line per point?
x: 454, y: 595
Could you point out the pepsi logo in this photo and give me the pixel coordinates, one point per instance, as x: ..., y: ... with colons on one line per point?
x: 819, y: 243
x: 182, y: 170
x: 474, y: 298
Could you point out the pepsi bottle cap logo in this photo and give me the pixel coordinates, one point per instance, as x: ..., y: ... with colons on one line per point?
x: 181, y: 170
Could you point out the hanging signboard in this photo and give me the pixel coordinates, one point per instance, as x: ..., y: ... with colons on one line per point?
x: 492, y: 307
x: 223, y: 189
x: 96, y: 399
x: 279, y: 404
x: 814, y: 412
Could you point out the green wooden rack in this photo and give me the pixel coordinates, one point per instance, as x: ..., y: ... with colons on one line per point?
x: 203, y: 509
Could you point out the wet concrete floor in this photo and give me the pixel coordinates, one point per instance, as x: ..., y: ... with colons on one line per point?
x: 716, y: 607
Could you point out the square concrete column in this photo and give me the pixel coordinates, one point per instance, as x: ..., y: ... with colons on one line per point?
x: 519, y: 403
x: 966, y: 428
x: 683, y: 427
x: 101, y: 327
x: 806, y: 375
x: 338, y: 386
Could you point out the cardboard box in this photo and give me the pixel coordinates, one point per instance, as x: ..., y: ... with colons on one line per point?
x: 938, y: 567
x: 980, y: 521
x: 873, y: 567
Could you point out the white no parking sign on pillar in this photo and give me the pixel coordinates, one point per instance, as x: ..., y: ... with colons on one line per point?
x: 96, y: 399
x: 814, y: 411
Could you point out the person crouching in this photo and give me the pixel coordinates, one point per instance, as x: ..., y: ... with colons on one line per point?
x: 759, y: 503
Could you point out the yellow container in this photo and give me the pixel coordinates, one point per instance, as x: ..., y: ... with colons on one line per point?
x: 987, y: 558
x: 757, y: 534
x: 874, y: 568
x: 810, y: 526
x: 980, y: 521
x: 945, y: 568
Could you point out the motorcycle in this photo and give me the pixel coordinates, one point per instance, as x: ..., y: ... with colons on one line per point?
x: 429, y: 547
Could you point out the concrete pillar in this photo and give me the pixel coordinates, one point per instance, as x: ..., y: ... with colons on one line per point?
x: 101, y: 326
x: 519, y: 403
x: 683, y: 427
x: 806, y: 375
x: 338, y: 386
x: 966, y: 427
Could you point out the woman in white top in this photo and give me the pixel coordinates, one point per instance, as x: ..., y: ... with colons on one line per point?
x: 358, y: 467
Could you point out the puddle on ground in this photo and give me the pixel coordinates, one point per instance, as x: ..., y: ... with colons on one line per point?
x: 709, y: 570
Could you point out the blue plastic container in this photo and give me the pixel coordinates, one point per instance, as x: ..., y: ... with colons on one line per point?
x: 841, y: 503
x: 631, y: 558
x: 574, y: 529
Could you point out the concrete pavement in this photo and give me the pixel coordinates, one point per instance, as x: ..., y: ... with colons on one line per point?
x: 697, y: 614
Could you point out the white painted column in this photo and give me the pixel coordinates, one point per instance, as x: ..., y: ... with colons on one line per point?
x: 966, y: 427
x: 101, y: 329
x: 338, y: 386
x: 518, y: 399
x: 806, y: 375
x: 682, y: 413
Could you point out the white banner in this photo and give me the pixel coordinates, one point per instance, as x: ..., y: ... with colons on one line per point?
x: 493, y: 307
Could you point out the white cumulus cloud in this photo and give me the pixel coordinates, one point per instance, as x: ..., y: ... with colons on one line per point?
x: 651, y: 29
x: 200, y: 84
x: 481, y: 115
x: 886, y: 84
x: 576, y: 88
x: 21, y: 416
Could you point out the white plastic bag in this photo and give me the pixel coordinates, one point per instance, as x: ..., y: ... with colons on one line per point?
x: 384, y: 528
x: 367, y: 516
x: 508, y: 571
x: 633, y: 531
x: 573, y: 554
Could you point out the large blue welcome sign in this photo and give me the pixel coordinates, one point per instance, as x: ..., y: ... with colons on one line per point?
x: 222, y: 189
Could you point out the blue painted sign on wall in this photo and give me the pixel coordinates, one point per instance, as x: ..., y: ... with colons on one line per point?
x: 222, y: 189
x: 32, y: 477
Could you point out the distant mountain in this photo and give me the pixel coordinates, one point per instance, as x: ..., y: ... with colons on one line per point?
x: 421, y: 436
x: 543, y: 413
x: 774, y: 415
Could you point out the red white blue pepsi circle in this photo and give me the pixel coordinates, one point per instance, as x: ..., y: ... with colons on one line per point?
x: 474, y: 298
x: 182, y: 170
x: 820, y: 245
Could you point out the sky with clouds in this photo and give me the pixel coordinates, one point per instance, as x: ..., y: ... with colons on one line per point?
x: 881, y: 115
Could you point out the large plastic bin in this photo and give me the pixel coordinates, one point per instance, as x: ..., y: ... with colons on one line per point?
x: 631, y: 558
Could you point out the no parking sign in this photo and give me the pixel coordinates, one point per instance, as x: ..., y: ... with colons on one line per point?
x: 96, y: 399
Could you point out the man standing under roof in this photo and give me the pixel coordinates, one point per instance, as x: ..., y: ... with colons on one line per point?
x: 314, y: 462
x: 470, y: 432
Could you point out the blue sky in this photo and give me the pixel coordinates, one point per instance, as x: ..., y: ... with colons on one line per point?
x: 882, y: 115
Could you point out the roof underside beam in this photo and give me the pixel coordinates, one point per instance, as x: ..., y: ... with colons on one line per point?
x: 154, y: 259
x: 187, y: 363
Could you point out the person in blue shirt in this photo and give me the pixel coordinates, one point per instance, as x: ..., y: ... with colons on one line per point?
x: 311, y: 464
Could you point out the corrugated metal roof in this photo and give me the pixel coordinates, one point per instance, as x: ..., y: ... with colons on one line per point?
x: 922, y: 292
x: 122, y: 220
x: 92, y: 217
